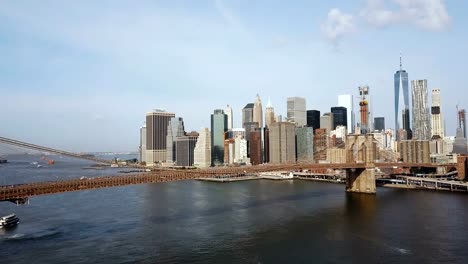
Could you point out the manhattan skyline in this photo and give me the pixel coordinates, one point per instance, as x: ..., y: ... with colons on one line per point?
x: 81, y: 77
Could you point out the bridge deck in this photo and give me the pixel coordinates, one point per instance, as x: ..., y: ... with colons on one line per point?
x: 19, y: 191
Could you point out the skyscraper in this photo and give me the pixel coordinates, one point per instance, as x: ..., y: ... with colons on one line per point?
x: 437, y: 118
x: 364, y: 106
x: 305, y: 144
x: 346, y: 100
x: 258, y: 111
x: 421, y: 120
x: 269, y: 114
x: 340, y: 116
x: 401, y: 83
x: 142, y: 149
x: 185, y: 148
x: 313, y: 119
x: 379, y: 124
x: 255, y: 147
x: 175, y: 129
x: 282, y: 142
x: 405, y: 114
x: 228, y: 112
x: 202, y: 151
x: 462, y: 121
x: 247, y: 114
x: 296, y: 111
x: 218, y: 128
x: 156, y: 136
x: 326, y: 122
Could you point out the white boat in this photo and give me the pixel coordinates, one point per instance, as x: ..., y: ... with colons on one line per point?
x: 8, y: 221
x: 279, y: 175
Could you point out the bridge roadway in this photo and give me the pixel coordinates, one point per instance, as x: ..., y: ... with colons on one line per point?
x: 21, y: 191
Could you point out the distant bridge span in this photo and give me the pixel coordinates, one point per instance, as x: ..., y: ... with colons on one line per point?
x: 18, y: 143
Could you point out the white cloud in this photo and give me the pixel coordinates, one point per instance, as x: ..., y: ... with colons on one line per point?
x: 337, y: 25
x: 429, y: 15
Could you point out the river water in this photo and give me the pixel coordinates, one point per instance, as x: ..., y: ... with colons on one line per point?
x: 243, y: 222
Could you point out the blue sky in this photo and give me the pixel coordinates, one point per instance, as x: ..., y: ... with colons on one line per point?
x: 81, y: 75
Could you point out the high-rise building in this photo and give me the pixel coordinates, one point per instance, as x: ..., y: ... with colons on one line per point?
x: 296, y: 110
x: 185, y: 149
x: 326, y: 122
x: 313, y: 119
x: 142, y: 149
x: 228, y: 112
x: 255, y: 147
x: 175, y: 129
x: 364, y: 106
x: 229, y: 145
x: 266, y: 145
x: 258, y: 111
x: 269, y: 114
x: 405, y: 114
x: 156, y: 136
x: 218, y: 130
x: 421, y: 120
x: 379, y: 124
x: 305, y: 144
x: 346, y: 100
x: 462, y: 121
x: 340, y: 116
x: 437, y: 118
x: 240, y: 150
x: 282, y: 142
x: 202, y: 151
x: 250, y: 127
x: 401, y: 83
x: 247, y: 114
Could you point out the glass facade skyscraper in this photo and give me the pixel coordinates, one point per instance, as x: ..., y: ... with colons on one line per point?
x: 340, y: 116
x: 401, y: 83
x: 219, y: 125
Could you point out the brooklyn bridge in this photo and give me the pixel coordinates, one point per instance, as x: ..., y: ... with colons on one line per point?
x: 360, y: 176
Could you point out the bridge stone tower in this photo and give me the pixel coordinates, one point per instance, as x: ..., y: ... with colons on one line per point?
x: 361, y: 149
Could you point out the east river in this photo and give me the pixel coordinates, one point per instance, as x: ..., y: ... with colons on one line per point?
x: 243, y: 222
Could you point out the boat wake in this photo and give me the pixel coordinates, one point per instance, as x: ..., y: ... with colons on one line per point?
x: 46, y: 234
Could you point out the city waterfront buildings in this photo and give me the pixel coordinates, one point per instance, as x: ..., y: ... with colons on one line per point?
x: 156, y: 136
x: 296, y: 111
x: 421, y: 119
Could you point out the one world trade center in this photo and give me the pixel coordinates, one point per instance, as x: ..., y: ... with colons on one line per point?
x: 401, y: 83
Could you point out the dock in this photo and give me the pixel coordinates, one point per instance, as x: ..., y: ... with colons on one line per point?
x: 408, y: 182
